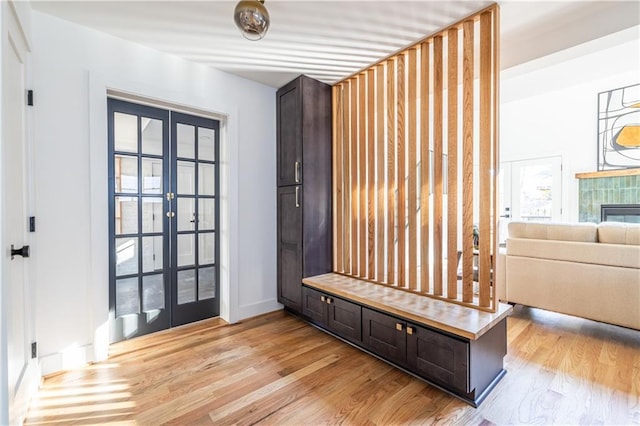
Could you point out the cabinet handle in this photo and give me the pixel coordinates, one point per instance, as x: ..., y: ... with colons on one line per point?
x: 398, y: 326
x: 322, y: 298
x: 329, y: 300
x: 410, y: 330
x: 296, y: 171
x: 297, y: 196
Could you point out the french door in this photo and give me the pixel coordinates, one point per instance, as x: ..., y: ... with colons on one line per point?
x: 163, y: 218
x: 531, y: 191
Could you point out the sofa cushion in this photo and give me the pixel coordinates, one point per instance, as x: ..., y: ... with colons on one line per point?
x: 619, y: 233
x: 583, y: 232
x: 626, y: 256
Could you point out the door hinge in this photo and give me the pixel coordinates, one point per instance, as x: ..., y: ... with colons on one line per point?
x: 30, y: 97
x: 34, y: 349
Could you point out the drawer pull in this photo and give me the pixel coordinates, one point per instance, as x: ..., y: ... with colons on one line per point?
x: 329, y: 300
x: 410, y: 331
x: 322, y: 298
x: 398, y: 326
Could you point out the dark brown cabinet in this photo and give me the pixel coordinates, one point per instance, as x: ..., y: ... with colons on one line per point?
x: 384, y: 335
x: 337, y: 315
x: 304, y: 229
x: 435, y: 356
x: 289, y: 246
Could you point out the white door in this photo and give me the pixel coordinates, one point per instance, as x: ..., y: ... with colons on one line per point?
x: 19, y: 380
x: 531, y: 190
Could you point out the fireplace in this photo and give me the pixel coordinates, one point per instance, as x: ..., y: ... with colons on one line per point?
x: 620, y: 213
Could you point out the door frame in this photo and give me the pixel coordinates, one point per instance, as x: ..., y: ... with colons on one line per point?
x: 102, y: 86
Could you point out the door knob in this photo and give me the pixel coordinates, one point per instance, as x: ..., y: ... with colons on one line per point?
x: 24, y: 251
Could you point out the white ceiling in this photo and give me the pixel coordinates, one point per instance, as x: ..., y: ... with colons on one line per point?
x: 330, y: 40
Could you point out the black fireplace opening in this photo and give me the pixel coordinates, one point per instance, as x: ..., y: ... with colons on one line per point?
x: 620, y: 213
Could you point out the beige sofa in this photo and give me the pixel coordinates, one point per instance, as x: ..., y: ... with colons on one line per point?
x: 587, y: 270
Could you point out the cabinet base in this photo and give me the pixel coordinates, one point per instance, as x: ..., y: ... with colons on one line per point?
x: 470, y: 398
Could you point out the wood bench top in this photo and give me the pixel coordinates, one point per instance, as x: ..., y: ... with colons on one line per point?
x: 456, y: 319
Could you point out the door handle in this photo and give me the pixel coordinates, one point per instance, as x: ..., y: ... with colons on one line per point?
x: 24, y: 251
x: 297, y: 196
x: 296, y: 172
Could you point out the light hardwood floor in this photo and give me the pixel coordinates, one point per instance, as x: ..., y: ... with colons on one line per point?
x: 276, y: 369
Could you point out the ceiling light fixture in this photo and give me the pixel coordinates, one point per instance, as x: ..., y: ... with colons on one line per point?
x: 252, y: 18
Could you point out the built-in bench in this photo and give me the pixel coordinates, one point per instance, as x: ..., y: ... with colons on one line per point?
x: 457, y: 348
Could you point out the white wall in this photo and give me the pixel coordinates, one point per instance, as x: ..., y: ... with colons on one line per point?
x: 73, y: 68
x: 549, y: 105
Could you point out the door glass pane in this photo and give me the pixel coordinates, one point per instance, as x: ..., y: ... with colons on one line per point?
x: 206, y: 283
x: 127, y: 297
x: 186, y: 286
x: 186, y: 178
x: 152, y: 292
x: 126, y: 174
x: 186, y: 138
x: 126, y: 215
x: 206, y: 179
x: 206, y: 214
x: 152, y: 217
x: 125, y: 131
x: 186, y: 249
x: 206, y: 140
x: 536, y: 182
x: 151, y: 136
x: 152, y: 254
x: 206, y: 248
x: 186, y: 214
x: 126, y: 256
x: 151, y: 176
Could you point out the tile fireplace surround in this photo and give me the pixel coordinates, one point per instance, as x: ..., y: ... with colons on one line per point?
x: 606, y: 187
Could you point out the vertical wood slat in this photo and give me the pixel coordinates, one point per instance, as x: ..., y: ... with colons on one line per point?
x: 346, y: 176
x: 401, y: 161
x: 362, y: 173
x: 438, y: 93
x: 371, y: 175
x: 484, y: 271
x: 467, y: 162
x: 412, y: 164
x: 354, y: 177
x: 496, y: 139
x: 380, y: 223
x: 391, y: 171
x: 337, y: 177
x: 452, y: 164
x: 425, y: 283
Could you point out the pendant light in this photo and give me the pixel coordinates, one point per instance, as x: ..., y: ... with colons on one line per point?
x: 252, y: 18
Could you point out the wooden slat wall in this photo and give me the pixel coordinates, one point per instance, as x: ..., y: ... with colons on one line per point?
x: 406, y: 144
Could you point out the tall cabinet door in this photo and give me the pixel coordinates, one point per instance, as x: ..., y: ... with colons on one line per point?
x: 289, y: 134
x: 290, y: 247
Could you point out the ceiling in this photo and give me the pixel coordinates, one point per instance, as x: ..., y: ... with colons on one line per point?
x: 330, y: 40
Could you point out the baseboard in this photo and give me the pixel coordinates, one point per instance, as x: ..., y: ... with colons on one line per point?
x: 27, y: 390
x: 255, y: 309
x: 66, y: 360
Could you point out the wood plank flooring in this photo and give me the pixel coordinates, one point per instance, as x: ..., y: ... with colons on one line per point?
x: 277, y: 370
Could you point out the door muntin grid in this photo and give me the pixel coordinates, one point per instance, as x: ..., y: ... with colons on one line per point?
x: 196, y: 187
